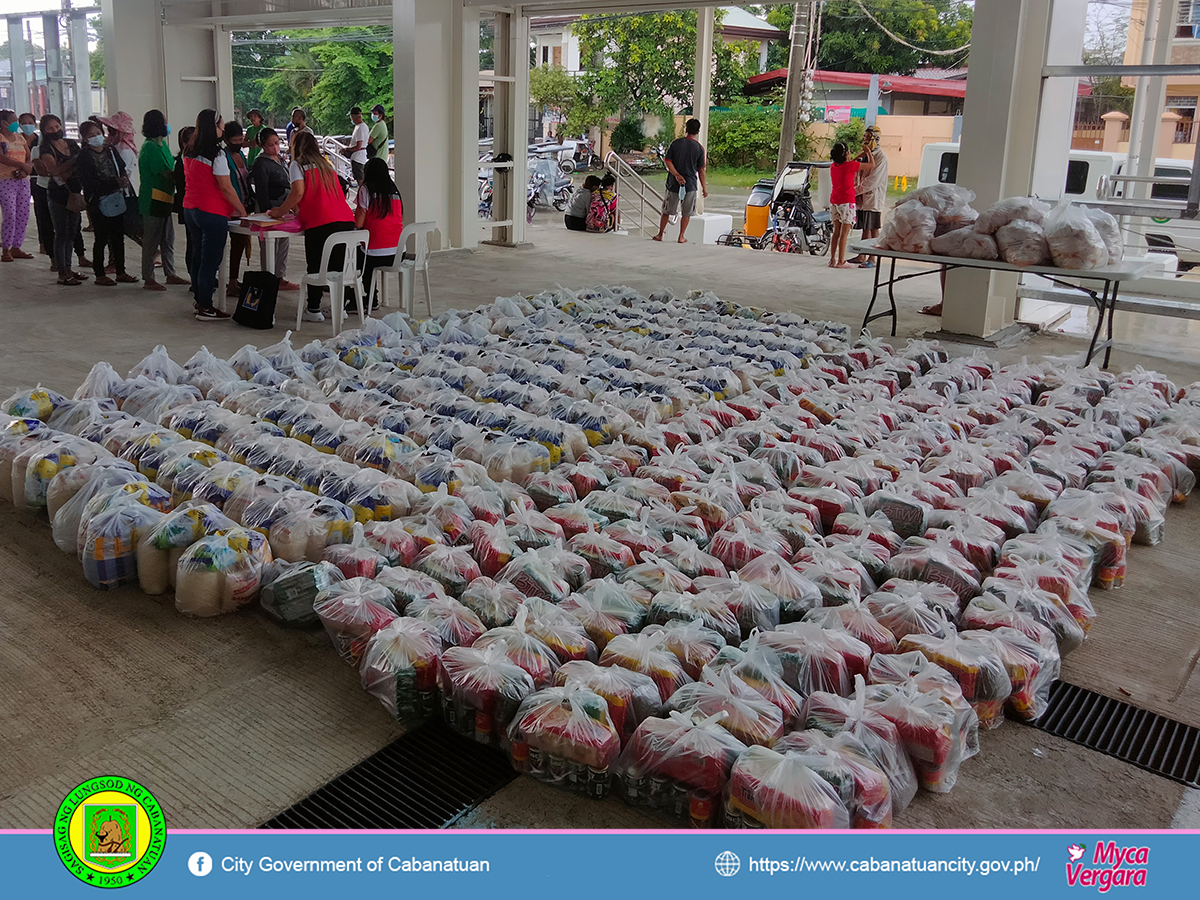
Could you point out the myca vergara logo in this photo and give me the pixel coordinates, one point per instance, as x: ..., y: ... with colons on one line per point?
x: 1109, y: 867
x: 110, y: 832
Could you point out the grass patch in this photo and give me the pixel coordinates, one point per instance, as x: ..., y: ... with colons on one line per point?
x: 734, y: 177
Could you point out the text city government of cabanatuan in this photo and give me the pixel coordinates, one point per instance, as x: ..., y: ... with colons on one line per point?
x: 271, y: 865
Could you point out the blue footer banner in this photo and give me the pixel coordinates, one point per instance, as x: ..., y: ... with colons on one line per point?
x: 110, y: 844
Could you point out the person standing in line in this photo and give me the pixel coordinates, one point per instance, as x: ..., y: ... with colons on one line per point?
x: 239, y: 244
x: 685, y: 171
x: 102, y: 174
x: 317, y: 197
x: 156, y: 175
x: 269, y: 175
x: 359, y: 139
x: 37, y: 188
x: 841, y: 201
x: 57, y: 158
x: 14, y: 187
x: 208, y: 204
x: 873, y: 188
x: 378, y: 133
x: 380, y: 210
x: 298, y: 124
x: 185, y: 137
x: 253, y: 130
x: 121, y: 137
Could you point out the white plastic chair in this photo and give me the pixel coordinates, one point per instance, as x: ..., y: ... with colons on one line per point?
x: 337, y: 282
x: 418, y: 233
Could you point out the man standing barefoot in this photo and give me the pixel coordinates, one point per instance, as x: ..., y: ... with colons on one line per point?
x: 685, y: 169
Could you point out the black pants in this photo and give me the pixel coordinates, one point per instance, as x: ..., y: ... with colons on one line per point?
x: 45, y: 223
x: 314, y: 246
x: 575, y: 223
x: 367, y: 265
x: 187, y: 247
x: 110, y: 233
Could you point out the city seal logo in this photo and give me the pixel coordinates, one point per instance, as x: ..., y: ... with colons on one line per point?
x: 110, y: 832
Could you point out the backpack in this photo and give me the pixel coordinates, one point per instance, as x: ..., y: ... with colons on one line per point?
x: 256, y: 303
x: 598, y: 212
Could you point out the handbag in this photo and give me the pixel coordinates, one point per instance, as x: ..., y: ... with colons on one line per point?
x: 76, y: 202
x: 112, y: 205
x: 256, y: 301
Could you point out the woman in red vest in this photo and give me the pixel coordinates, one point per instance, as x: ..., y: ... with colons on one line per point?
x: 381, y: 212
x: 209, y: 202
x: 318, y: 199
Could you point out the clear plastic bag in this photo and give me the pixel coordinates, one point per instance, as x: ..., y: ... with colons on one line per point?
x: 780, y: 790
x: 710, y: 611
x: 400, y: 668
x: 696, y: 755
x: 909, y: 228
x: 494, y: 603
x: 290, y: 589
x: 631, y: 696
x: 1110, y: 233
x: 221, y: 573
x: 159, y: 551
x: 857, y: 620
x: 351, y: 612
x: 1073, y: 239
x: 846, y: 764
x: 1022, y: 243
x: 1032, y: 668
x: 1002, y: 212
x: 648, y: 654
x: 976, y: 666
x: 966, y: 243
x: 456, y: 624
x: 564, y: 735
x: 110, y: 543
x: 524, y: 648
x: 482, y: 690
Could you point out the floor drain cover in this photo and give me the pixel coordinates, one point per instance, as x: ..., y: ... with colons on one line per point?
x: 425, y: 779
x: 1116, y: 729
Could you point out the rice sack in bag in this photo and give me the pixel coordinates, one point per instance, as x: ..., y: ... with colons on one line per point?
x: 524, y: 648
x: 779, y: 790
x: 496, y: 604
x: 1074, y: 241
x: 400, y: 667
x: 845, y: 763
x: 457, y: 625
x: 482, y: 690
x: 1023, y: 243
x: 833, y: 715
x: 356, y: 559
x: 68, y: 482
x: 221, y: 573
x: 159, y: 551
x: 289, y: 590
x: 1032, y: 668
x: 110, y: 543
x: 631, y: 696
x: 565, y: 736
x: 351, y: 612
x: 668, y: 759
x: 978, y: 669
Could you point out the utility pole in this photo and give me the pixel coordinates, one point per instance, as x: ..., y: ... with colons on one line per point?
x: 802, y: 16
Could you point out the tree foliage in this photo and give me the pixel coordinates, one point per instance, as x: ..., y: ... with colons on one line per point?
x: 747, y: 136
x: 851, y: 42
x: 851, y: 134
x: 646, y: 63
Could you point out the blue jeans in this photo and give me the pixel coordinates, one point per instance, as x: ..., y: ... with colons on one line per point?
x: 209, y: 233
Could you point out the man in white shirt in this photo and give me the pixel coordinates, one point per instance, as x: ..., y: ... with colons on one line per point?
x: 359, y: 139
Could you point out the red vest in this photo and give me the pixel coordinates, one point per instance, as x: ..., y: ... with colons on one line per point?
x: 322, y: 204
x: 201, y: 189
x: 385, y: 232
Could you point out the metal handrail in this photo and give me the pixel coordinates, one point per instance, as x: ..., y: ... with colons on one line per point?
x: 640, y: 193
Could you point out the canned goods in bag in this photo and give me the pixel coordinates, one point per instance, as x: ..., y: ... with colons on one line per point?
x: 557, y: 766
x: 520, y: 755
x: 597, y: 783
x: 576, y: 775
x: 733, y: 818
x: 537, y: 761
x: 701, y: 809
x: 635, y: 790
x: 680, y: 799
x: 483, y: 727
x: 660, y: 789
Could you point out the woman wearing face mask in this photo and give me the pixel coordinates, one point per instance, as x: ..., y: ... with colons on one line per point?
x: 379, y: 133
x: 156, y: 174
x: 102, y: 174
x: 57, y: 159
x: 209, y: 202
x: 271, y: 186
x: 239, y: 175
x: 14, y: 187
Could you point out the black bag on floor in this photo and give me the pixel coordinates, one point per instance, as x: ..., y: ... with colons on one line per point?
x: 256, y: 302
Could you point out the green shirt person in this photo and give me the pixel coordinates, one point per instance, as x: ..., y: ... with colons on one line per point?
x: 379, y: 132
x: 256, y: 125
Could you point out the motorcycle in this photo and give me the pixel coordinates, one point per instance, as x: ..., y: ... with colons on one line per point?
x: 584, y: 156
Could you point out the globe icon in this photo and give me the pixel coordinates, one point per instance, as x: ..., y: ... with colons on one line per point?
x: 727, y: 863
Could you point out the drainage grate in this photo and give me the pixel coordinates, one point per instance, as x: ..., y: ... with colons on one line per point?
x: 425, y: 779
x: 1114, y: 728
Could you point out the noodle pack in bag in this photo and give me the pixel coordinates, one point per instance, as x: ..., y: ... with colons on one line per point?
x: 976, y: 666
x: 110, y: 543
x: 400, y: 668
x: 290, y: 589
x: 524, y: 648
x: 496, y: 604
x: 221, y: 573
x: 351, y: 612
x: 482, y: 690
x: 780, y: 790
x: 649, y: 655
x: 455, y: 624
x: 565, y: 736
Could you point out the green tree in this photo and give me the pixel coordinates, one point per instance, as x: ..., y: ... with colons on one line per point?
x: 746, y: 136
x: 851, y: 42
x: 851, y: 134
x: 252, y: 64
x: 647, y: 63
x: 96, y: 57
x: 352, y: 74
x: 289, y: 85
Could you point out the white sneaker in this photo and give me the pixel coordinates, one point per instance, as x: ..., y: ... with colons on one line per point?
x: 310, y: 316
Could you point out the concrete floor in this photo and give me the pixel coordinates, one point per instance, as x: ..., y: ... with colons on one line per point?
x: 230, y: 720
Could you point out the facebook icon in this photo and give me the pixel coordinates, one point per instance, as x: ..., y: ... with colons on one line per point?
x: 200, y: 864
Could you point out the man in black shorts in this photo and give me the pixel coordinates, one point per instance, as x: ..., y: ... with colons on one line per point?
x: 685, y: 170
